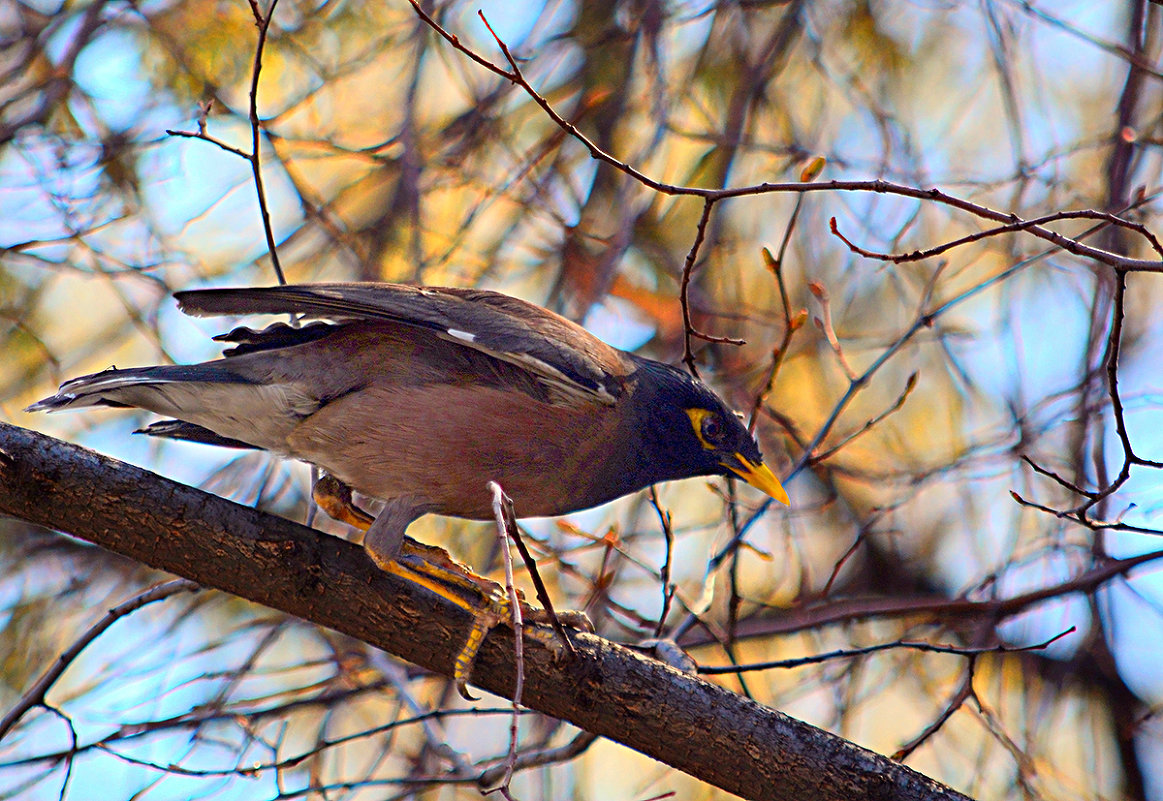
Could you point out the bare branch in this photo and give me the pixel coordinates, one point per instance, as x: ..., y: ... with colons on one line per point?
x: 333, y: 583
x: 35, y: 695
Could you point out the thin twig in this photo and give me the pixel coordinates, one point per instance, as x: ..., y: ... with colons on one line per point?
x: 506, y: 522
x: 254, y: 157
x: 35, y: 695
x: 791, y: 324
x: 668, y: 587
x: 427, y: 719
x: 813, y: 616
x: 264, y: 24
x: 1008, y: 220
x: 1059, y: 480
x: 849, y: 653
x: 1021, y: 225
x: 896, y: 406
x: 205, y: 137
x: 514, y: 532
x: 534, y: 759
x: 71, y: 760
x: 844, y: 557
x: 963, y: 694
x: 824, y: 323
x: 688, y: 269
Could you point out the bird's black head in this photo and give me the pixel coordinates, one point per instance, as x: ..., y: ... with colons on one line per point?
x: 684, y: 429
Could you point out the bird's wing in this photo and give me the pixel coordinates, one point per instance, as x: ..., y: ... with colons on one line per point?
x: 560, y: 353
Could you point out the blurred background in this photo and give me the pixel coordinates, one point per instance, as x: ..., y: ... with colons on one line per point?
x: 911, y: 399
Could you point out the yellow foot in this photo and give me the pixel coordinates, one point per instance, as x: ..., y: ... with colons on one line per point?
x: 489, y: 606
x: 334, y: 498
x: 434, y: 569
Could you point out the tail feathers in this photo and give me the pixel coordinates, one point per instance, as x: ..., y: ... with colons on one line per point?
x: 190, y: 432
x: 121, y: 388
x: 248, y: 300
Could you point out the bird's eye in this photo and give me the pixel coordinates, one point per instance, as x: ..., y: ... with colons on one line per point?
x: 712, y: 429
x: 708, y: 426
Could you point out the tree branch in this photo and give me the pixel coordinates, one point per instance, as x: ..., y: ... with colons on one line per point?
x: 697, y: 727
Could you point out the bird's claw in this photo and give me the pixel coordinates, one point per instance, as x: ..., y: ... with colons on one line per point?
x: 434, y: 569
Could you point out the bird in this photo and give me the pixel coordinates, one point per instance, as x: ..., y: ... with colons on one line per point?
x: 419, y: 397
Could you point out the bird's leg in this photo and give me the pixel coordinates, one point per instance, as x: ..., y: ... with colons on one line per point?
x: 386, y: 544
x: 427, y: 565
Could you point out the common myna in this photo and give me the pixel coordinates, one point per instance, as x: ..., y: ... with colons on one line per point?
x: 420, y: 396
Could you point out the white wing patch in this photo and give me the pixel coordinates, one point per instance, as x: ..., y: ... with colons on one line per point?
x: 560, y: 385
x: 464, y: 336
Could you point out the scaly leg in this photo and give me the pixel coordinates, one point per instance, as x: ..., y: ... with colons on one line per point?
x: 427, y: 565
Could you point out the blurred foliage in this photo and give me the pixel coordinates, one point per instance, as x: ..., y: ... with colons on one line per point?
x: 388, y: 155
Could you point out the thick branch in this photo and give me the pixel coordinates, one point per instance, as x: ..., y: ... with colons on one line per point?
x: 695, y: 726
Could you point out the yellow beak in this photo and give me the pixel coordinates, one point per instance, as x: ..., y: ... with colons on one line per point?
x: 760, y: 477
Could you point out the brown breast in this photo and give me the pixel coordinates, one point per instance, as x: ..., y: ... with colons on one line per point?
x: 404, y: 413
x: 444, y: 443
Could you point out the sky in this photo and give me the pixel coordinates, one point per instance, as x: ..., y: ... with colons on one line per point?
x: 194, y: 187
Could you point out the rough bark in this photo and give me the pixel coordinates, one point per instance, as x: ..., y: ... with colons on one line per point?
x: 697, y: 727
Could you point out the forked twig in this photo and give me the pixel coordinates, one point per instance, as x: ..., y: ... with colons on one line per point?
x: 254, y: 157
x: 35, y: 695
x: 506, y: 522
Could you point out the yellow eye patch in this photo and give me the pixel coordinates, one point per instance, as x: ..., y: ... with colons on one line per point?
x: 698, y: 416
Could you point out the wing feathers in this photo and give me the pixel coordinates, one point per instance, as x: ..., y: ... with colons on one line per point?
x: 564, y: 355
